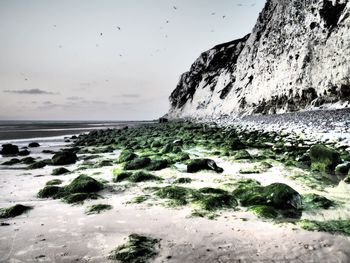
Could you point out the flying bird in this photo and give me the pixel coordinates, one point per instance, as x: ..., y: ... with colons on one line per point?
x: 118, y: 27
x: 175, y: 7
x: 223, y: 17
x: 213, y: 14
x: 167, y: 21
x: 101, y: 34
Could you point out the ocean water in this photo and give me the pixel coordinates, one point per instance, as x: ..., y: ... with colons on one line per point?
x: 16, y: 131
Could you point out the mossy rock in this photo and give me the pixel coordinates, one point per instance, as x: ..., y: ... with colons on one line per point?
x: 51, y: 191
x: 264, y: 211
x: 196, y: 165
x: 97, y: 209
x: 142, y: 176
x: 137, y: 163
x: 54, y: 182
x: 84, y: 184
x: 179, y: 195
x: 242, y: 154
x: 212, y: 202
x: 79, y: 197
x: 121, y: 176
x: 183, y: 180
x: 14, y: 211
x: 323, y: 158
x: 60, y: 171
x: 64, y: 158
x: 13, y: 161
x: 28, y: 160
x: 138, y: 249
x: 314, y: 201
x: 330, y: 226
x: 37, y: 165
x: 157, y: 165
x: 126, y: 156
x: 281, y: 196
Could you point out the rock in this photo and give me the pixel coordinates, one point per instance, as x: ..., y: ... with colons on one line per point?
x: 60, y: 171
x: 33, y: 145
x: 342, y: 169
x: 11, y: 162
x: 51, y: 191
x: 9, y: 149
x: 157, y: 165
x: 138, y: 163
x: 23, y: 153
x: 38, y: 165
x: 126, y: 156
x: 280, y: 196
x: 196, y: 165
x: 14, y: 211
x: 163, y: 120
x: 323, y: 158
x: 84, y: 184
x: 64, y: 158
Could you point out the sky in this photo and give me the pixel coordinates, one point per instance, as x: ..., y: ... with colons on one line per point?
x: 107, y: 59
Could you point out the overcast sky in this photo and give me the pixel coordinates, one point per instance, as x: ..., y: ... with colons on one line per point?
x: 106, y: 59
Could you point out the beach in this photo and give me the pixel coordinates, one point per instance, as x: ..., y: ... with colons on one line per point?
x: 57, y: 231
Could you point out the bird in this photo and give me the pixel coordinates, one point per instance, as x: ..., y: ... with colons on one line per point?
x: 213, y: 14
x: 175, y: 7
x: 239, y: 5
x: 167, y: 21
x: 101, y: 34
x: 223, y: 17
x: 118, y: 27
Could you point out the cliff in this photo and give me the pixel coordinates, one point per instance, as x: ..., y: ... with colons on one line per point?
x: 297, y: 57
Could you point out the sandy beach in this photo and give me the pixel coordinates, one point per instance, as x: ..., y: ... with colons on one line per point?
x: 54, y: 231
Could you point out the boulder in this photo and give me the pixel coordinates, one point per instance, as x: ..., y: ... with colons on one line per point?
x: 137, y: 163
x: 342, y: 169
x: 84, y: 184
x: 196, y: 165
x: 33, y: 145
x: 323, y: 158
x: 24, y: 152
x: 64, y: 158
x: 9, y: 149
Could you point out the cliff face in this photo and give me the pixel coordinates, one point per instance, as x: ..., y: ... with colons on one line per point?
x: 297, y: 57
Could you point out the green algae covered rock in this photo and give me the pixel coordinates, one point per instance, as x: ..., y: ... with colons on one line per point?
x: 84, y: 184
x: 60, y: 171
x: 137, y: 163
x: 64, y: 158
x: 280, y: 196
x: 14, y: 211
x: 126, y: 156
x: 323, y: 158
x: 138, y: 249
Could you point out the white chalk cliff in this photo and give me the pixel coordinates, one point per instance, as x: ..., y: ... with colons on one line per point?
x: 297, y: 57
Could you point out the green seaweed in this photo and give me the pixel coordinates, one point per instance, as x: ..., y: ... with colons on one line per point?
x: 97, y: 209
x: 138, y: 249
x: 14, y: 211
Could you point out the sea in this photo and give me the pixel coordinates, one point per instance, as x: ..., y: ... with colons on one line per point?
x: 20, y: 131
